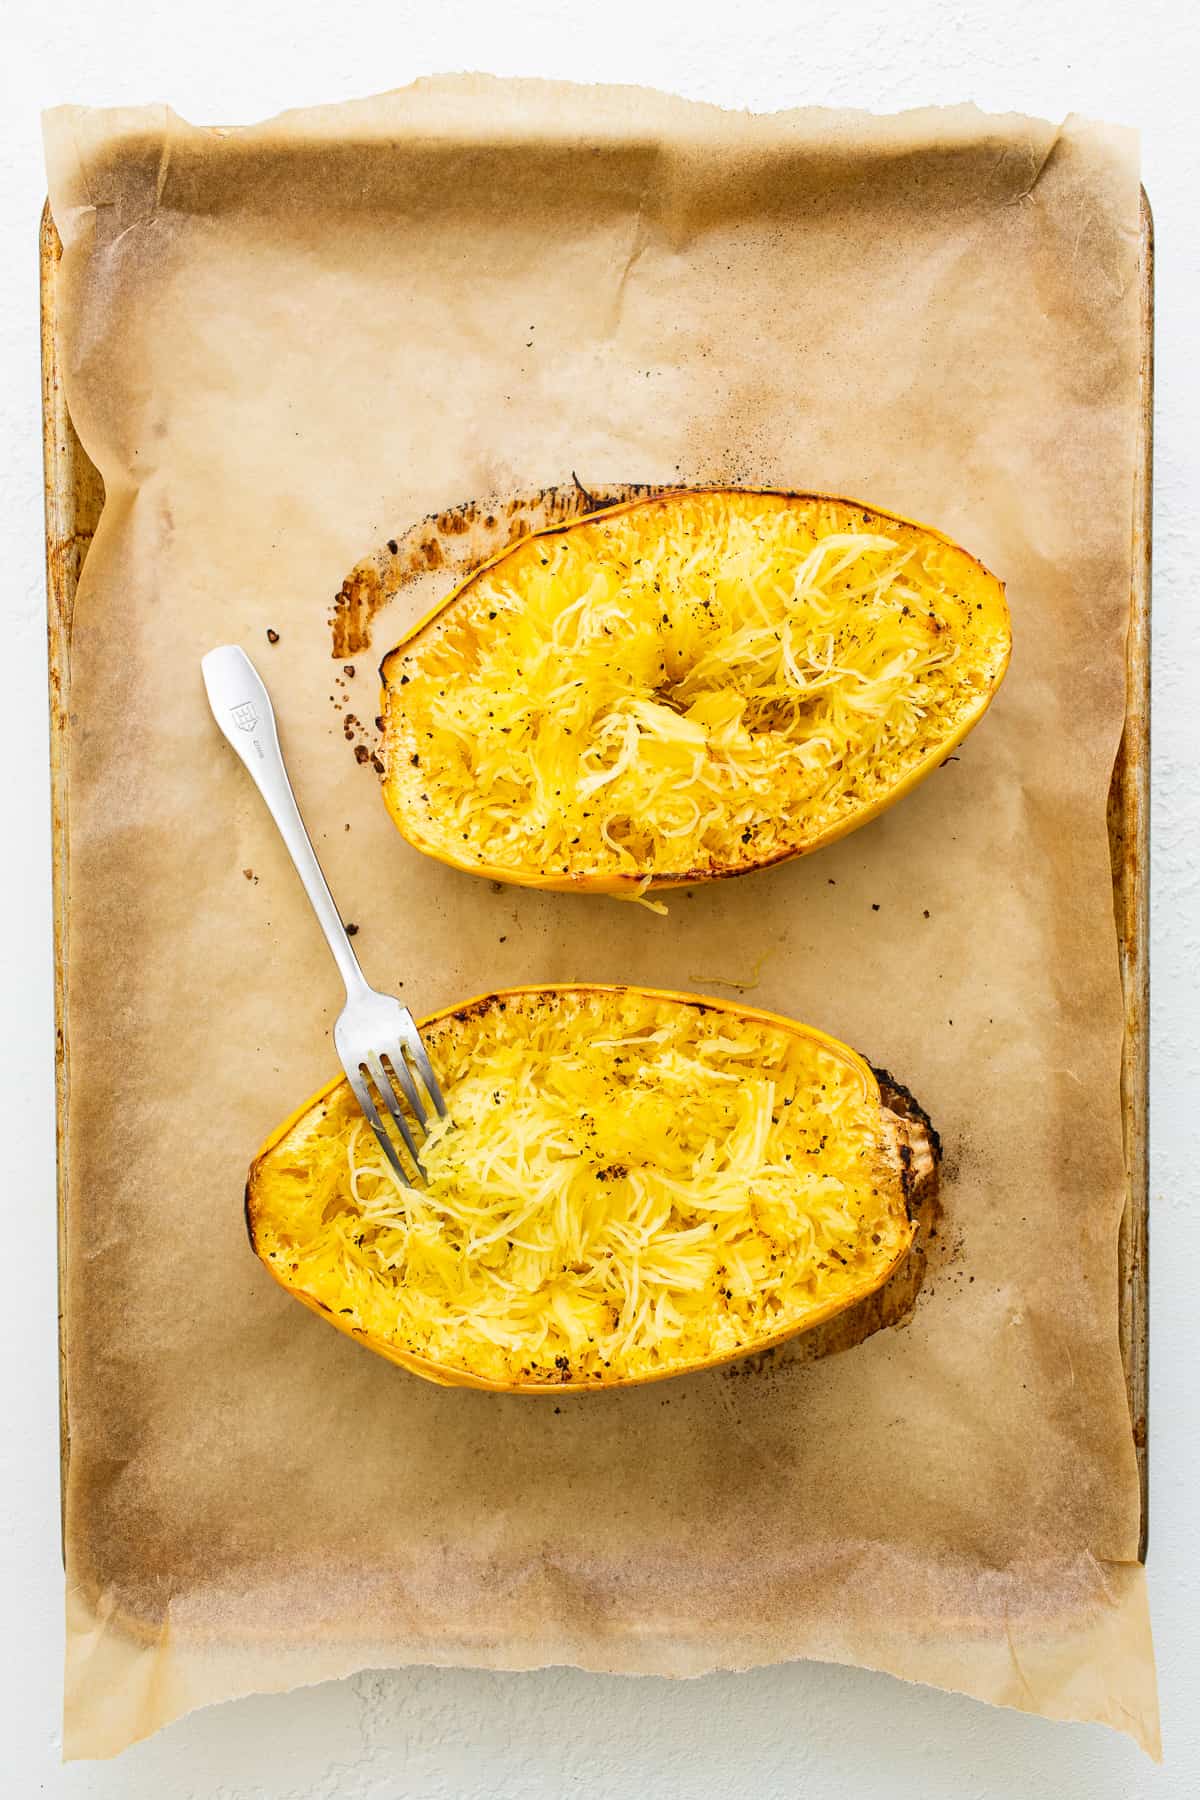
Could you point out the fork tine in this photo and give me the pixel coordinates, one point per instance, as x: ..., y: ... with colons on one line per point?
x: 387, y: 1094
x: 362, y: 1094
x: 416, y: 1049
x: 395, y: 1055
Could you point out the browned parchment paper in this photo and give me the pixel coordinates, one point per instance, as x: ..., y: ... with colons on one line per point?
x: 287, y: 345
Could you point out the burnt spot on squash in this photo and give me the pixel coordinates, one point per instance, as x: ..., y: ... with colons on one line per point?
x: 475, y: 1009
x: 919, y: 1147
x: 904, y: 1103
x: 248, y: 1209
x: 906, y: 1176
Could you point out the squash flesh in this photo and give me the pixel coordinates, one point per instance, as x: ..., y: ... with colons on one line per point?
x: 635, y: 1185
x: 684, y: 688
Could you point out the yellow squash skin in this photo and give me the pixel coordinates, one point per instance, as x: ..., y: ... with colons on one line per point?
x: 973, y: 617
x: 280, y: 1173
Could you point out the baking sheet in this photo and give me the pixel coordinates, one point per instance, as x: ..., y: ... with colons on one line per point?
x: 1061, y: 1669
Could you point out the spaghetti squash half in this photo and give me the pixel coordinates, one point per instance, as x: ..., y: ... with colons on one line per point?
x: 630, y: 1185
x: 686, y: 687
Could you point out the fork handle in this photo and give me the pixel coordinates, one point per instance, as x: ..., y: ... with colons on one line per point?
x: 242, y: 709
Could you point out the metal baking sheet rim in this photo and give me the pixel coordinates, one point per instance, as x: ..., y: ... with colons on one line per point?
x: 74, y: 495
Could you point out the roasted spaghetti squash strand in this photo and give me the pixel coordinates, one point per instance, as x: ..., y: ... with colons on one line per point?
x: 686, y: 687
x: 631, y: 1183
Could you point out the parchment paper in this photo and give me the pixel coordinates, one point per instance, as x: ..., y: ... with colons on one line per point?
x: 285, y: 346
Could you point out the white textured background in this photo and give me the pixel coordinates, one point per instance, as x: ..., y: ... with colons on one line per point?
x: 802, y: 1732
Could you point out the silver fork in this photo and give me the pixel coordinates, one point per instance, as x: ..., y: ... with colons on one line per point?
x: 375, y: 1036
